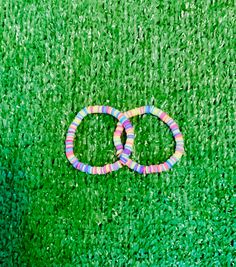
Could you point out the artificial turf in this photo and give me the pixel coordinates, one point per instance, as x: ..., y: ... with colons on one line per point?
x: 57, y: 57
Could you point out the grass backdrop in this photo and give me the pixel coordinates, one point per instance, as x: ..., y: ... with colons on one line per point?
x: 57, y: 57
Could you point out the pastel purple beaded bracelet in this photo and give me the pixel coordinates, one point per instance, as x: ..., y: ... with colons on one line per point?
x: 71, y: 135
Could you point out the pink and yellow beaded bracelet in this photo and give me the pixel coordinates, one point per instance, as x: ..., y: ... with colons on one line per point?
x: 179, y: 148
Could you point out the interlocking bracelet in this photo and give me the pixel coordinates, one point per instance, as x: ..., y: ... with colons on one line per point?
x: 71, y: 135
x: 179, y: 148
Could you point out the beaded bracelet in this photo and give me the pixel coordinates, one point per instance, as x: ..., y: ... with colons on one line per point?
x: 123, y: 120
x: 179, y: 149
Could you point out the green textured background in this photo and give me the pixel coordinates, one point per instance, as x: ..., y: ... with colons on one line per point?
x: 57, y: 57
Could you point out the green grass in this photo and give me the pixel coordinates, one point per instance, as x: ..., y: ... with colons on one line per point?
x: 57, y: 57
